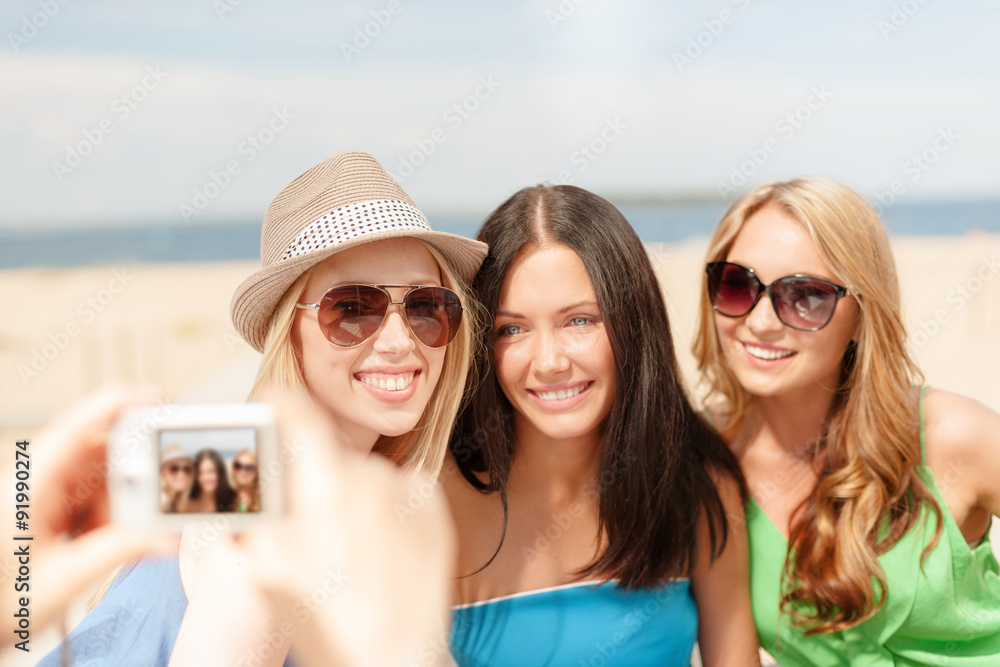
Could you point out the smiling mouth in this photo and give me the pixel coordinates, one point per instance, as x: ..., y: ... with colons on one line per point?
x: 387, y: 381
x: 767, y: 355
x: 561, y: 394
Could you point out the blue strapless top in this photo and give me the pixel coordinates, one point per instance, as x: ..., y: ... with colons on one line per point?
x: 579, y: 625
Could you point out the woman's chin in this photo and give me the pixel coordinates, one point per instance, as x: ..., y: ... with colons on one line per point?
x: 394, y: 423
x: 397, y: 429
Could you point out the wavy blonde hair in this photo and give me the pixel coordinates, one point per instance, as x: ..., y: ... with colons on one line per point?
x: 868, y: 492
x: 422, y: 449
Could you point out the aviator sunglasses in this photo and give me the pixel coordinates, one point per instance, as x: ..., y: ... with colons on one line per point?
x: 800, y: 302
x: 176, y: 468
x: 350, y: 314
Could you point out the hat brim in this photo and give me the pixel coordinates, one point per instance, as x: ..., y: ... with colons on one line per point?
x: 255, y: 299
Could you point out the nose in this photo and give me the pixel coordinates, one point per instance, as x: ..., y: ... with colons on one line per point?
x: 763, y: 319
x: 550, y: 355
x: 393, y: 339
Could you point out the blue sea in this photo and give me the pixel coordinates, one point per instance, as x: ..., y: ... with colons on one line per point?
x: 239, y: 240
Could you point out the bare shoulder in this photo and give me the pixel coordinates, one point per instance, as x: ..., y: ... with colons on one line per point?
x: 733, y: 514
x: 459, y: 492
x: 479, y: 524
x: 469, y: 506
x: 957, y: 425
x: 721, y: 586
x: 962, y: 439
x: 728, y: 487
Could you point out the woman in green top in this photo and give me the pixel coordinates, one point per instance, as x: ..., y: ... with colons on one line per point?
x: 871, y: 499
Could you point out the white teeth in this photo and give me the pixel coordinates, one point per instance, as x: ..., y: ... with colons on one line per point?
x: 561, y: 394
x: 769, y: 355
x: 388, y: 382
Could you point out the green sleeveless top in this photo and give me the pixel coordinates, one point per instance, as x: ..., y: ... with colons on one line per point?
x: 942, y: 612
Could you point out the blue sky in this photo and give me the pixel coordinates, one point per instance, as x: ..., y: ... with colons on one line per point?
x: 468, y: 102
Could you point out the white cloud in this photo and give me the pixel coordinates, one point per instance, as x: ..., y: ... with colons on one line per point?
x: 686, y: 130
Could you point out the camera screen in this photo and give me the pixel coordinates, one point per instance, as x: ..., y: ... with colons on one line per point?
x: 209, y: 470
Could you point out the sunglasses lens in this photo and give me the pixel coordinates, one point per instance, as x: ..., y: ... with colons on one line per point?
x: 351, y: 314
x: 434, y: 315
x: 732, y: 288
x: 176, y: 469
x: 804, y: 303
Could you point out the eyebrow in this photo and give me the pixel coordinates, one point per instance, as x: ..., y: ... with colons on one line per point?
x: 564, y: 309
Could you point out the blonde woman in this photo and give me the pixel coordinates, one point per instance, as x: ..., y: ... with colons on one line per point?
x: 864, y: 548
x: 246, y: 481
x: 176, y: 475
x: 359, y: 304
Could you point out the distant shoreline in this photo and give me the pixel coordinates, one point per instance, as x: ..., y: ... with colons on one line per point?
x: 656, y: 221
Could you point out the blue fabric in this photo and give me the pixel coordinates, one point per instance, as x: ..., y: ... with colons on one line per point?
x: 581, y: 625
x: 135, y: 624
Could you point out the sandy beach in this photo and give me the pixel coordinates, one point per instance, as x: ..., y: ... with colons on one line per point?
x: 66, y: 332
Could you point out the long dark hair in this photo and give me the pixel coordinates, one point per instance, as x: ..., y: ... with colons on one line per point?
x: 225, y: 495
x: 657, y: 452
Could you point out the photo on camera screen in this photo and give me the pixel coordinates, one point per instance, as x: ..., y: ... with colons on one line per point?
x: 208, y: 470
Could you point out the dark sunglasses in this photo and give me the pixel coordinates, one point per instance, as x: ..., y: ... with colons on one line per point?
x: 249, y: 467
x: 800, y: 302
x: 349, y: 315
x: 176, y: 468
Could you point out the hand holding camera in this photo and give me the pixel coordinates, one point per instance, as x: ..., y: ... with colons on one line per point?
x: 69, y: 497
x: 335, y: 562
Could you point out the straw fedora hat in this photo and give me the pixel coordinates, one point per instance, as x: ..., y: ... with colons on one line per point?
x: 174, y: 452
x: 340, y: 203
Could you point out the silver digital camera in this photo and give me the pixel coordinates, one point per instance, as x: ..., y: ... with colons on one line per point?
x: 169, y: 464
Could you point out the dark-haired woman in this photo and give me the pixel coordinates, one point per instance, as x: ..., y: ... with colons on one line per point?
x: 211, y: 490
x: 592, y: 502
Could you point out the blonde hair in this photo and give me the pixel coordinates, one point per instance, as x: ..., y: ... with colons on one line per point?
x: 254, y: 505
x: 422, y: 449
x: 868, y: 492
